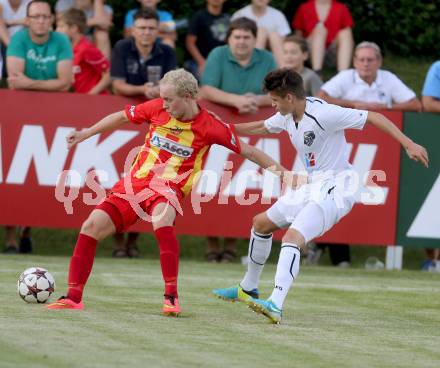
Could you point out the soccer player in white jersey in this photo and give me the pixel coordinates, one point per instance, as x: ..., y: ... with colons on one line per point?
x: 316, y: 130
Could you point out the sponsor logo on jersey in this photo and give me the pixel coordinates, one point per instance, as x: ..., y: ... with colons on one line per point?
x: 310, y: 159
x: 309, y: 137
x: 176, y: 130
x: 170, y: 146
x: 233, y: 141
x: 131, y: 111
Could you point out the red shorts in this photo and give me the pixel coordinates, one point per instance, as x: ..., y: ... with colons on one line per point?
x: 122, y: 213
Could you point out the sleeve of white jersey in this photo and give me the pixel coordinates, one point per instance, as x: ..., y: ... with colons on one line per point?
x: 336, y: 118
x: 276, y: 123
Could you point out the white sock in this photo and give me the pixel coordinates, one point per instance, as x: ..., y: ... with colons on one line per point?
x: 287, y: 270
x: 259, y: 250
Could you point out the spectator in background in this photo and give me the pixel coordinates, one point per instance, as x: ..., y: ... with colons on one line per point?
x: 367, y: 86
x: 431, y: 89
x: 91, y: 69
x: 295, y: 54
x: 431, y: 103
x: 207, y: 30
x: 234, y: 73
x: 37, y: 59
x: 99, y: 20
x: 167, y: 26
x: 233, y: 76
x: 272, y: 26
x: 327, y: 26
x: 139, y: 62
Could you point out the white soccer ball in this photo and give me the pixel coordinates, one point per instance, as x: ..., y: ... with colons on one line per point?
x: 35, y: 285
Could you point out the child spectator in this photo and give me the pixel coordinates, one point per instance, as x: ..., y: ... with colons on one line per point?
x: 207, y: 30
x: 91, y: 69
x: 295, y: 54
x: 99, y: 20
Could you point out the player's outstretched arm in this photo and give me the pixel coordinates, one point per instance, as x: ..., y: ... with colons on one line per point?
x: 414, y: 151
x: 288, y: 178
x: 255, y: 127
x: 110, y: 122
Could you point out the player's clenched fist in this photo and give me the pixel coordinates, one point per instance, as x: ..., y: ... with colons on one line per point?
x: 75, y: 137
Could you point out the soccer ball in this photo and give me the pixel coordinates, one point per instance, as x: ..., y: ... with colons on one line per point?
x: 35, y: 285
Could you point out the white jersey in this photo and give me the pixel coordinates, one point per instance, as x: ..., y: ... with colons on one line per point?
x: 319, y: 140
x: 319, y: 137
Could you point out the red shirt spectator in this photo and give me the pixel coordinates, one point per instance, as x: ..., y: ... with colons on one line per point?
x: 338, y: 18
x: 88, y: 65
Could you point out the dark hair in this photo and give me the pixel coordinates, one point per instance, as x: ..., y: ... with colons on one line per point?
x: 75, y: 17
x: 146, y: 13
x: 38, y: 1
x: 300, y: 41
x: 244, y: 24
x: 283, y: 81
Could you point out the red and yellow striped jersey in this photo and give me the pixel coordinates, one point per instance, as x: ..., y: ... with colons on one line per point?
x: 174, y: 151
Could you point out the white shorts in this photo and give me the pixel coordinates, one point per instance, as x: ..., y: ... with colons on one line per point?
x: 312, y: 209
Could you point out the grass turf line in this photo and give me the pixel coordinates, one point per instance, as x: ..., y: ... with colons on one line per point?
x: 332, y: 317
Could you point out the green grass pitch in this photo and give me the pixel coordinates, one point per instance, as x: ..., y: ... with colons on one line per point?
x: 332, y: 318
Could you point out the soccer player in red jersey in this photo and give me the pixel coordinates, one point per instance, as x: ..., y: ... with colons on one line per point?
x: 91, y: 69
x: 176, y: 145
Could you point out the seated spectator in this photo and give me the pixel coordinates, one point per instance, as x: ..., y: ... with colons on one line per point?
x: 327, y: 26
x: 207, y: 30
x: 38, y: 58
x: 234, y: 73
x: 99, y: 20
x: 367, y: 86
x: 167, y: 26
x: 295, y: 54
x: 272, y: 26
x: 139, y: 62
x: 91, y: 69
x: 12, y: 18
x: 431, y: 89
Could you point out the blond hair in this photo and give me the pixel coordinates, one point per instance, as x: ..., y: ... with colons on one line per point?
x: 184, y: 83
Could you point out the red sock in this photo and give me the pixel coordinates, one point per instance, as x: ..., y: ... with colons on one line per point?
x: 169, y: 258
x: 81, y: 265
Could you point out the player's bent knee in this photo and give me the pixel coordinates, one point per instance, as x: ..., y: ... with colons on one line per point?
x: 94, y: 228
x: 260, y: 224
x: 295, y: 237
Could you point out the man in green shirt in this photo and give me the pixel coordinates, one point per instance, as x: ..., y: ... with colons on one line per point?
x: 234, y: 73
x: 38, y: 58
